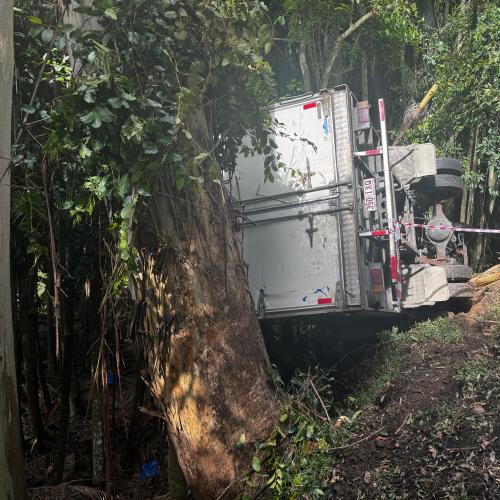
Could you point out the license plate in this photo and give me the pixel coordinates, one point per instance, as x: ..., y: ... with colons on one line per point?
x: 370, y: 195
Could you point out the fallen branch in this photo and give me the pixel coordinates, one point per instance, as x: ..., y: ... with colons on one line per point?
x: 358, y: 441
x: 320, y: 400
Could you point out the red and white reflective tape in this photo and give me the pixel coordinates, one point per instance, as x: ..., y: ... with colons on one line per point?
x: 369, y: 152
x: 451, y: 228
x: 378, y: 232
x: 310, y: 105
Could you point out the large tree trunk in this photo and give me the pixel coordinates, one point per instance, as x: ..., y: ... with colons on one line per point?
x: 206, y: 360
x: 11, y: 456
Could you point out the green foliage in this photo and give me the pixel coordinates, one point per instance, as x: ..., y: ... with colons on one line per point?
x: 463, y: 60
x: 442, y: 330
x: 321, y: 22
x: 478, y: 379
x: 126, y: 106
x: 296, y: 460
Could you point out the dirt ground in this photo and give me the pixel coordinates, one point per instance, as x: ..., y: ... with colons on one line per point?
x: 433, y: 430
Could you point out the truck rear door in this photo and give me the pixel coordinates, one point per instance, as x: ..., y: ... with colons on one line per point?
x: 290, y: 233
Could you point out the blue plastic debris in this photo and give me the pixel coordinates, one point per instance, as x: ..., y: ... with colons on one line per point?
x: 150, y: 469
x: 110, y: 377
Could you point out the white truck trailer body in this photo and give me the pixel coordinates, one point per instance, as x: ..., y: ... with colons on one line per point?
x: 301, y: 234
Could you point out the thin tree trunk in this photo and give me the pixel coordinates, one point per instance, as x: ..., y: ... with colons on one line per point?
x: 65, y: 409
x: 97, y: 432
x: 304, y: 67
x: 139, y: 390
x: 41, y: 376
x: 12, y: 485
x: 337, y: 46
x: 364, y: 76
x: 51, y: 334
x: 28, y: 326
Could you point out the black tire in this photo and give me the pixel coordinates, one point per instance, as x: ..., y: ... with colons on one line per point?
x: 441, y: 187
x: 450, y: 166
x: 458, y: 272
x: 460, y: 290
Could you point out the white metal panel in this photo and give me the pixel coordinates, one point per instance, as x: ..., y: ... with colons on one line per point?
x: 424, y: 285
x: 412, y: 161
x: 292, y: 274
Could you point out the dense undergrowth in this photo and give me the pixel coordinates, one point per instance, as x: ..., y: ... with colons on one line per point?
x: 421, y: 421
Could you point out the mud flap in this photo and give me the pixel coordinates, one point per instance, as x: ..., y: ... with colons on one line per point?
x: 424, y: 285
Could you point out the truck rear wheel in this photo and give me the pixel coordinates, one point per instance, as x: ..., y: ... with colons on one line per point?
x: 458, y: 272
x: 441, y: 187
x: 450, y: 166
x: 460, y: 290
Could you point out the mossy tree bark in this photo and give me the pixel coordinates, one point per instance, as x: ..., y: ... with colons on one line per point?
x: 205, y: 357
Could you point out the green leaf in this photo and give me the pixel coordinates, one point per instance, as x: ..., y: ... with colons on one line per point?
x: 154, y: 104
x: 67, y: 28
x: 40, y: 288
x: 89, y: 96
x: 128, y: 97
x: 272, y: 143
x: 267, y: 47
x: 127, y: 208
x: 88, y: 118
x: 28, y: 109
x: 34, y: 20
x: 47, y: 35
x: 199, y: 180
x: 256, y: 464
x: 170, y: 14
x: 242, y: 440
x: 225, y: 61
x: 84, y: 151
x: 181, y: 35
x: 111, y: 13
x: 199, y: 158
x: 143, y: 191
x: 283, y: 417
x: 115, y: 102
x: 310, y: 431
x: 122, y: 186
x: 105, y: 115
x: 97, y: 121
x: 180, y: 181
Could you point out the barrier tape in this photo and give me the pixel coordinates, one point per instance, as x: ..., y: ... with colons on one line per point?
x: 452, y: 228
x: 385, y: 232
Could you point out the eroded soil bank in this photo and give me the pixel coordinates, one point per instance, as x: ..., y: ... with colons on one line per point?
x: 439, y: 415
x: 420, y: 417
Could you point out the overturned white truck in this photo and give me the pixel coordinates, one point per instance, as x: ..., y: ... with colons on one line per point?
x: 360, y: 229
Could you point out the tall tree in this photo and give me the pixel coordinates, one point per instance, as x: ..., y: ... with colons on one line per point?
x: 327, y: 33
x: 11, y: 456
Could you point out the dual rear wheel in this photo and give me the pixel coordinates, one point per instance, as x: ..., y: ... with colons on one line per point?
x: 446, y: 184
